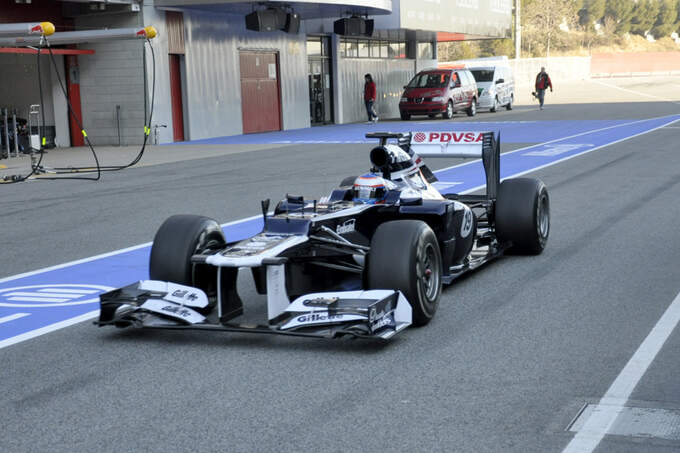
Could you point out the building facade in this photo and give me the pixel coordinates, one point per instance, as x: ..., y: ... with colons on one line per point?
x: 211, y: 76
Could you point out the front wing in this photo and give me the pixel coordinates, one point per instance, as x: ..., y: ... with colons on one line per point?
x: 160, y: 305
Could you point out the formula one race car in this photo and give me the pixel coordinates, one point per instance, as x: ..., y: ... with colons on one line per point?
x: 366, y: 261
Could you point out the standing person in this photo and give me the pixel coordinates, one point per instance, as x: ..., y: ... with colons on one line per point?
x: 369, y: 98
x: 542, y: 84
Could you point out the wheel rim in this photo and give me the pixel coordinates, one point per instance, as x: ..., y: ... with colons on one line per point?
x: 543, y: 217
x: 428, y: 273
x: 449, y: 110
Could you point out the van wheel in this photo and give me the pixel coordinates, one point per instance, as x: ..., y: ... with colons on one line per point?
x: 495, y: 106
x: 448, y: 114
x: 405, y: 116
x: 472, y: 110
x: 509, y: 105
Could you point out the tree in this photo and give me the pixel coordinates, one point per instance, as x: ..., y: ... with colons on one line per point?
x: 621, y: 11
x: 591, y: 12
x: 666, y: 20
x: 541, y: 20
x: 644, y: 16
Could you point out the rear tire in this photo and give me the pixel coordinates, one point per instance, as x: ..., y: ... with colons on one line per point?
x: 405, y: 116
x: 176, y: 241
x: 523, y: 215
x: 472, y: 110
x: 405, y: 255
x: 448, y: 113
x: 509, y: 105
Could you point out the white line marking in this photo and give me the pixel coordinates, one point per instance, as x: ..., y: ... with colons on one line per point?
x: 597, y: 425
x: 103, y: 255
x: 36, y: 299
x: 639, y: 93
x: 48, y: 329
x: 13, y: 317
x: 59, y: 325
x: 69, y: 291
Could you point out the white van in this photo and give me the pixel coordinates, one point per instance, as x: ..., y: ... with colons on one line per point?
x: 495, y: 85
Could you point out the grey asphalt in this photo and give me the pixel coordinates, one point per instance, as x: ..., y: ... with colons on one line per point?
x: 514, y: 352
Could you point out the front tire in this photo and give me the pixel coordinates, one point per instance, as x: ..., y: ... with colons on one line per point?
x: 509, y: 105
x: 405, y: 255
x: 176, y: 241
x: 472, y: 110
x: 448, y: 114
x: 523, y: 215
x: 405, y: 116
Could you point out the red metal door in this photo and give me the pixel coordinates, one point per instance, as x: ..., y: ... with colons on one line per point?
x: 176, y: 98
x: 73, y: 89
x: 260, y: 92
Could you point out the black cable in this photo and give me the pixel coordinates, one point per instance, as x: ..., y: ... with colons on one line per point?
x: 35, y: 168
x: 147, y: 126
x: 17, y: 178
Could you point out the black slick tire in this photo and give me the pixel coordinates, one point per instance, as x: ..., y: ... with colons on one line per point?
x: 176, y: 241
x: 405, y: 255
x: 523, y: 215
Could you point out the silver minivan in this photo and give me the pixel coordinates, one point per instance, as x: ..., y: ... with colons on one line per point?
x: 495, y: 85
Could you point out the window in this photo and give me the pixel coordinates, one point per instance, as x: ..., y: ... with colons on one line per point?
x: 313, y: 46
x: 383, y: 49
x: 365, y: 48
x: 425, y: 51
x: 429, y: 80
x: 483, y: 75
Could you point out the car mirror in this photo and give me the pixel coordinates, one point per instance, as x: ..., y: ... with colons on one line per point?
x: 456, y: 84
x: 500, y: 80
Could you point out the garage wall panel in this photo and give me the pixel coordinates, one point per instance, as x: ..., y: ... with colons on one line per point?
x: 390, y: 76
x: 212, y: 45
x: 114, y: 75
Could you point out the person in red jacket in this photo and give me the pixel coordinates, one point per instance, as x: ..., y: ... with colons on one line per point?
x: 369, y: 98
x: 542, y: 84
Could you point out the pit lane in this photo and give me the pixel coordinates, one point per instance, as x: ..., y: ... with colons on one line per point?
x: 519, y: 345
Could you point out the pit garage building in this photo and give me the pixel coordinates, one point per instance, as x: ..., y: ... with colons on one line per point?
x: 215, y: 77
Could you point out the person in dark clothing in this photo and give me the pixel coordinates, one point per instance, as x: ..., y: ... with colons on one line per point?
x: 369, y: 98
x: 542, y: 84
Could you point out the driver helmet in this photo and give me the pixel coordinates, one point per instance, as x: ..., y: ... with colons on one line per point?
x: 370, y: 189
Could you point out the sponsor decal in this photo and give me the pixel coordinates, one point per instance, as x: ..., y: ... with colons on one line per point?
x: 48, y: 296
x: 318, y: 317
x: 178, y: 310
x: 346, y: 227
x: 379, y: 319
x: 468, y: 137
x: 184, y: 294
x: 419, y: 137
x: 466, y: 226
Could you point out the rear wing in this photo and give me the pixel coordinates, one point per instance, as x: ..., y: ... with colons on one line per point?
x: 453, y: 144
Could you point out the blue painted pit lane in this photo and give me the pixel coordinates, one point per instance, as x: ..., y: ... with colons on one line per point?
x: 32, y: 301
x: 511, y: 131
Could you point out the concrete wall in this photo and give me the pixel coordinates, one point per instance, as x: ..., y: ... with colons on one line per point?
x: 559, y: 68
x: 390, y: 76
x: 635, y: 63
x: 113, y: 76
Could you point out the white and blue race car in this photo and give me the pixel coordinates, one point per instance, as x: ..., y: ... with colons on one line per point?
x: 368, y: 260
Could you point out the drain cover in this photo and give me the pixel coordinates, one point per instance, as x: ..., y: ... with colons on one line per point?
x: 636, y: 422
